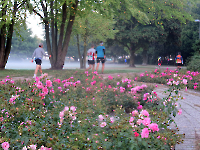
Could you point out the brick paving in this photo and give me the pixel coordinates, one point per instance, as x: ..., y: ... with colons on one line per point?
x: 188, y: 122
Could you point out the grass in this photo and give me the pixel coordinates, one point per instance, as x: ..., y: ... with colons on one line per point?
x: 57, y: 73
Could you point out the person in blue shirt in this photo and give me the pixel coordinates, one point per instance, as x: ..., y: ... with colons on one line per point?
x: 100, y: 52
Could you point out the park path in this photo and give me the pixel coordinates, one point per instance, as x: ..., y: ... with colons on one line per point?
x: 188, y: 122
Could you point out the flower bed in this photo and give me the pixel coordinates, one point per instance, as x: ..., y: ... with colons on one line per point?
x: 191, y: 79
x: 85, y: 112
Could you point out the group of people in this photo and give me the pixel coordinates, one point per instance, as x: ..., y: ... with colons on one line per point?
x: 98, y: 54
x: 178, y: 61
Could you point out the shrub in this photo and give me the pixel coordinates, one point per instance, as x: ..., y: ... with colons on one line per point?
x: 194, y: 63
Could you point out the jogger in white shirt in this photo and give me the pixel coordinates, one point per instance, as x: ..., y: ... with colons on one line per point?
x: 91, y: 53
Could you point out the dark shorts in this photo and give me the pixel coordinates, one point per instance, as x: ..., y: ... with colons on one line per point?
x: 91, y: 62
x: 179, y: 64
x: 38, y: 61
x: 100, y: 59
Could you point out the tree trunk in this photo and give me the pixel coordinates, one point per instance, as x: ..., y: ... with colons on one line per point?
x: 85, y: 52
x: 58, y: 51
x: 132, y: 58
x: 79, y: 52
x: 62, y: 52
x: 145, y: 58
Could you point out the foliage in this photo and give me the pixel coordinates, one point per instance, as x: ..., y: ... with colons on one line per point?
x: 74, y: 113
x: 23, y: 44
x: 194, y: 63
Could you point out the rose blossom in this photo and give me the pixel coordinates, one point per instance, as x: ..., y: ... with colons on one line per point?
x: 48, y: 83
x: 61, y: 115
x: 101, y: 118
x: 33, y: 147
x: 145, y: 113
x: 145, y: 133
x: 66, y: 108
x: 153, y: 127
x: 139, y: 107
x: 179, y: 111
x: 5, y: 145
x: 185, y: 81
x: 146, y: 121
x: 136, y: 134
x: 73, y: 108
x: 103, y: 124
x: 134, y: 113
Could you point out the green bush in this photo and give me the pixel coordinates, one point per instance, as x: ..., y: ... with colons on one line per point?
x: 194, y: 63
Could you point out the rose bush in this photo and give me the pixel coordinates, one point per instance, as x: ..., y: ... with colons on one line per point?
x: 84, y: 111
x: 187, y: 79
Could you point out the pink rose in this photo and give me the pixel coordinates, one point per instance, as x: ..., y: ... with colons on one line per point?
x: 112, y: 119
x: 33, y: 147
x: 45, y: 90
x: 139, y: 107
x: 179, y: 111
x: 5, y: 145
x: 78, y: 82
x: 185, y: 81
x: 103, y: 124
x: 134, y: 113
x: 101, y: 118
x: 48, y: 83
x: 131, y: 119
x: 73, y: 108
x: 110, y: 77
x: 139, y: 121
x: 62, y: 113
x: 153, y: 127
x: 145, y: 133
x: 146, y: 121
x: 66, y: 108
x: 145, y: 113
x: 109, y: 86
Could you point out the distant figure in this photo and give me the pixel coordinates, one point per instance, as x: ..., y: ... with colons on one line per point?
x: 38, y: 54
x: 100, y: 51
x: 179, y: 60
x: 159, y: 62
x: 91, y: 53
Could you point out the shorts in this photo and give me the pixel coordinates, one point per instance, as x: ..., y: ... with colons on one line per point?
x: 178, y: 64
x: 38, y: 61
x: 100, y: 59
x: 91, y: 62
x: 159, y: 64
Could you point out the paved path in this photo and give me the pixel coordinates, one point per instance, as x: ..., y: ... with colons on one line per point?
x: 188, y: 122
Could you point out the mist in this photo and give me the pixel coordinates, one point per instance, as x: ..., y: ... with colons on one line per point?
x: 27, y: 64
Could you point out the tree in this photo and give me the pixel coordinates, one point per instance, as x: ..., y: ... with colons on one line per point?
x: 92, y: 29
x: 12, y: 13
x: 23, y: 43
x: 59, y: 17
x: 130, y: 25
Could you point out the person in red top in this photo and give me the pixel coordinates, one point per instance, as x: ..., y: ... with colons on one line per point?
x: 159, y: 62
x: 179, y: 60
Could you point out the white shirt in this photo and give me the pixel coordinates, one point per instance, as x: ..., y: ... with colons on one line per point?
x: 91, y: 52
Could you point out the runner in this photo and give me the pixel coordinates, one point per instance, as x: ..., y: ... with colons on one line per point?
x: 179, y: 60
x: 100, y: 51
x: 91, y: 55
x: 159, y: 62
x: 38, y: 54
